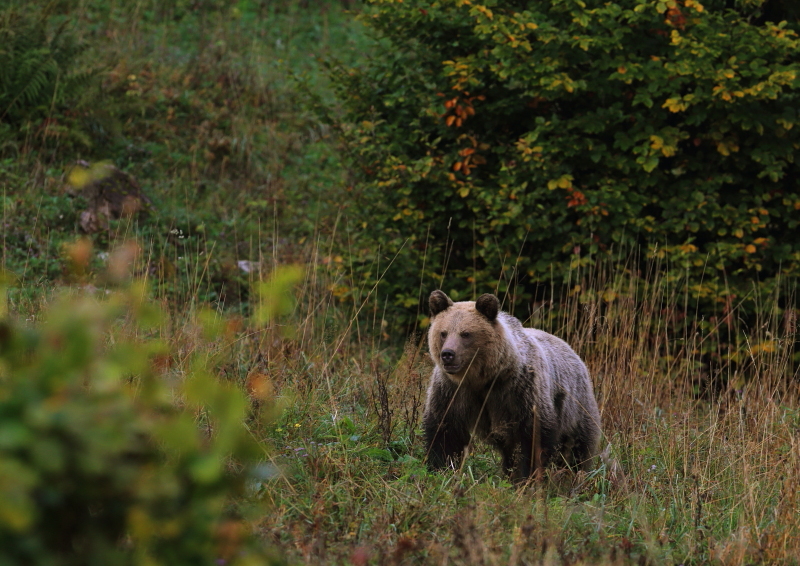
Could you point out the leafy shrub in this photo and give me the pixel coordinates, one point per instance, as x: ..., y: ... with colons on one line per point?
x: 512, y: 145
x: 97, y: 464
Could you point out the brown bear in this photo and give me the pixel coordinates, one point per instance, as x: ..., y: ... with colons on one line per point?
x: 523, y: 390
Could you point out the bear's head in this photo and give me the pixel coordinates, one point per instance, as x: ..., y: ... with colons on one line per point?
x: 465, y: 339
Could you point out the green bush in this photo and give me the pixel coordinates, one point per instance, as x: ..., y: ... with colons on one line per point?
x: 97, y: 463
x: 512, y: 145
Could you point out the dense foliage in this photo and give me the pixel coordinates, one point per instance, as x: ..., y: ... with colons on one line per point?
x: 510, y: 145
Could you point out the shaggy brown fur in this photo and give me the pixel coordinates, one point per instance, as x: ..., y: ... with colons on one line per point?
x: 492, y: 376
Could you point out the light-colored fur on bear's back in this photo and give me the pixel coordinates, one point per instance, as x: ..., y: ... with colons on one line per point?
x: 569, y: 377
x: 560, y: 372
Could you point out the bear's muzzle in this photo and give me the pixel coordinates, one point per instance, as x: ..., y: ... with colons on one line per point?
x: 449, y: 363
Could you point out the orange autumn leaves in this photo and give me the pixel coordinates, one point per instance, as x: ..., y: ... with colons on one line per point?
x: 457, y: 110
x: 469, y: 160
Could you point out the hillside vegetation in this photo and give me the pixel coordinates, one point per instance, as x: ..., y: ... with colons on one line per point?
x: 226, y: 364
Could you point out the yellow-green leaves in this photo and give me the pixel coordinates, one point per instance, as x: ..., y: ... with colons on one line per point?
x: 676, y: 104
x: 276, y: 295
x: 5, y: 282
x: 17, y: 507
x: 563, y: 182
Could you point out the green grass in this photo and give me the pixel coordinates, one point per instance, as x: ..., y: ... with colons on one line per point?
x: 209, y: 111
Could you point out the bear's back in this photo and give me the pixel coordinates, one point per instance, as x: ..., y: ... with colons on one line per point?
x: 559, y: 352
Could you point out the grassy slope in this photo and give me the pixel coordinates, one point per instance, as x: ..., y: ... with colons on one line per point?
x: 202, y: 111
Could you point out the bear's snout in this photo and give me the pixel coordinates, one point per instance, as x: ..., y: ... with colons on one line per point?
x: 449, y: 361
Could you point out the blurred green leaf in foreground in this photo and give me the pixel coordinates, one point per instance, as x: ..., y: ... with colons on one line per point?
x: 102, y: 460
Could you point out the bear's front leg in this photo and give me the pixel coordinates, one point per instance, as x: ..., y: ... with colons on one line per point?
x: 518, y: 456
x: 444, y: 441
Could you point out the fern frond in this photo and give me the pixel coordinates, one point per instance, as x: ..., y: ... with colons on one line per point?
x: 36, y: 71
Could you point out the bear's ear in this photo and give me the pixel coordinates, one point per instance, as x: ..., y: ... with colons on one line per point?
x: 488, y: 305
x: 439, y: 302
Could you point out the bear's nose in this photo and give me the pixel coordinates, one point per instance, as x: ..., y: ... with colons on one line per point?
x: 448, y: 356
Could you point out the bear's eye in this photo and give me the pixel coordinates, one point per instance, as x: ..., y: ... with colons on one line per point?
x: 444, y: 334
x: 465, y: 334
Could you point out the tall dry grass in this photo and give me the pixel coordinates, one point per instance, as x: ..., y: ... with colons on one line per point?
x: 699, y: 466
